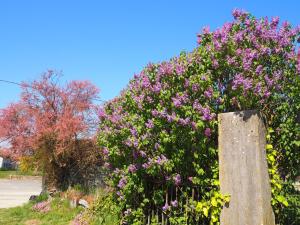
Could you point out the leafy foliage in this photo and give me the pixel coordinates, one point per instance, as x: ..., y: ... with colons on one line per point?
x: 53, y: 123
x: 159, y: 137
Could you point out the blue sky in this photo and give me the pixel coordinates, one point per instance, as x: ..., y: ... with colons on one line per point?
x: 106, y: 42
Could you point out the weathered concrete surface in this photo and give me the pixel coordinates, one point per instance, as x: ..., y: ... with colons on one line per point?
x: 243, y: 169
x: 17, y: 192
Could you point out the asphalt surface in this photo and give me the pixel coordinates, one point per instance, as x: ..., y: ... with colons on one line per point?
x: 17, y: 192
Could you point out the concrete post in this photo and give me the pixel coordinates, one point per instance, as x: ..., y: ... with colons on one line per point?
x: 244, y: 170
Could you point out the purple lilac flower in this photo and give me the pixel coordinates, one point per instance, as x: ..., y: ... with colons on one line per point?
x: 267, y: 94
x: 122, y: 182
x: 101, y: 113
x: 274, y: 22
x: 146, y: 82
x: 155, y: 113
x: 105, y: 151
x: 186, y: 83
x: 128, y: 142
x: 206, y: 114
x: 179, y: 100
x: 161, y: 160
x: 132, y: 168
x: 165, y: 69
x: 215, y: 63
x: 157, y: 87
x: 133, y: 132
x: 179, y: 69
x: 206, y: 30
x: 150, y: 124
x: 146, y: 165
x: 174, y: 203
x: 177, y: 180
x: 166, y: 207
x: 143, y: 154
x: 237, y: 81
x: 195, y: 87
x: 149, y: 99
x: 237, y: 13
x: 259, y: 69
x: 136, y: 143
x: 257, y: 88
x: 184, y: 122
x: 208, y: 93
x: 120, y: 195
x: 197, y: 106
x: 269, y: 81
x: 207, y: 132
x: 247, y: 84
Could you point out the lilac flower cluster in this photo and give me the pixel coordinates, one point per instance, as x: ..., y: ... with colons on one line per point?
x: 159, y: 160
x: 42, y: 207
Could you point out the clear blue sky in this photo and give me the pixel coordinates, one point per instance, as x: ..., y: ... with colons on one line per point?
x: 108, y: 41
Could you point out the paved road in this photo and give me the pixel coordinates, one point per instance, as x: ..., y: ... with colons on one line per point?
x: 17, y: 192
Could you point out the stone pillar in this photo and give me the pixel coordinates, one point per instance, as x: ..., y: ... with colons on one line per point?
x: 244, y: 170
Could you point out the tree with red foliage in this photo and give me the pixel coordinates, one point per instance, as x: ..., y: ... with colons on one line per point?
x: 54, y: 122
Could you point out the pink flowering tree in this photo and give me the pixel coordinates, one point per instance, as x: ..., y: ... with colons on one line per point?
x: 51, y: 121
x: 159, y: 137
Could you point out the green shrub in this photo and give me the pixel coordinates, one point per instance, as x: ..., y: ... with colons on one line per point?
x: 159, y: 138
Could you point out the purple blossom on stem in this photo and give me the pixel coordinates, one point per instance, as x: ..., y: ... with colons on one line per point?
x: 177, y: 179
x: 206, y: 30
x: 165, y: 69
x: 166, y: 207
x: 179, y: 69
x: 206, y: 114
x: 269, y: 81
x: 150, y: 124
x: 122, y: 182
x: 257, y: 88
x: 197, y: 106
x: 208, y: 93
x: 101, y: 113
x: 237, y: 13
x: 259, y: 69
x: 174, y: 203
x: 207, y: 132
x: 157, y: 87
x: 105, y: 151
x: 195, y: 87
x: 132, y: 168
x: 143, y: 154
x: 155, y: 113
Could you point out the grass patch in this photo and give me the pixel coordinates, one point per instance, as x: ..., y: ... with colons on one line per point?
x: 4, y: 174
x: 60, y: 214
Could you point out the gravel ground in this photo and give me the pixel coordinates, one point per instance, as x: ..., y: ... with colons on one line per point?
x: 17, y: 192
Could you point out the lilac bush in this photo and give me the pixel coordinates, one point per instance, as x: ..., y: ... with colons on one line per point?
x: 160, y: 135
